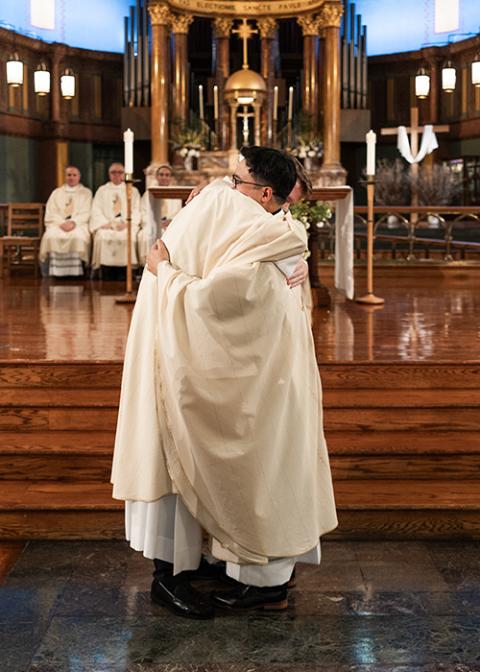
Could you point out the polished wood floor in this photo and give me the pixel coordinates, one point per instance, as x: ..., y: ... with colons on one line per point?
x: 429, y: 315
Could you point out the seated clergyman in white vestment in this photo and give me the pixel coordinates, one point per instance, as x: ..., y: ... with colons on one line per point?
x: 220, y: 420
x: 156, y: 213
x: 65, y: 245
x: 108, y: 221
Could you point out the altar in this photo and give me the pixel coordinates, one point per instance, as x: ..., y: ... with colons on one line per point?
x: 340, y: 197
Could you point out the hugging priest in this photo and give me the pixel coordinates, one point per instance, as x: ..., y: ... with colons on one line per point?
x: 220, y: 432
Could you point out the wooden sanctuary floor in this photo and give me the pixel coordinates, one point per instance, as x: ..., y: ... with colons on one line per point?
x: 401, y: 406
x: 429, y: 315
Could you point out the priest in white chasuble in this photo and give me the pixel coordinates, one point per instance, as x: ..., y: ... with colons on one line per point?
x: 65, y: 245
x: 108, y: 221
x: 157, y: 213
x: 220, y: 419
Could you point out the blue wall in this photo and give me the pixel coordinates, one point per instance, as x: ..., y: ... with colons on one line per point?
x: 407, y: 25
x: 393, y: 25
x: 91, y: 24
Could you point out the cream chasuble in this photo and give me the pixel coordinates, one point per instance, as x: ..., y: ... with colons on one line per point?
x: 67, y: 204
x: 110, y: 207
x: 221, y: 398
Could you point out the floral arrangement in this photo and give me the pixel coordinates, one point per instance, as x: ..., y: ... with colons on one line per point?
x: 188, y: 142
x: 308, y: 143
x: 311, y: 212
x: 307, y: 149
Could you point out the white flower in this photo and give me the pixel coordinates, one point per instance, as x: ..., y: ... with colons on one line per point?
x: 311, y: 154
x: 183, y: 152
x: 302, y: 153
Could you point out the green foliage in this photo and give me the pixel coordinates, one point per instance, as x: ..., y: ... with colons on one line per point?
x: 311, y: 212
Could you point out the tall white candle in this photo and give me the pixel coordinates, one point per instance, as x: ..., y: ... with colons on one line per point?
x: 215, y: 102
x: 275, y: 103
x: 290, y: 103
x: 128, y: 147
x: 371, y: 142
x: 200, y: 101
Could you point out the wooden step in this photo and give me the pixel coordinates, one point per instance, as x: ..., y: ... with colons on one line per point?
x: 81, y: 398
x: 50, y: 442
x: 47, y: 496
x: 400, y: 375
x: 402, y: 442
x: 407, y: 495
x: 48, y: 467
x: 57, y: 419
x: 407, y: 525
x: 87, y: 467
x: 79, y: 375
x: 62, y: 525
x: 359, y: 398
x: 366, y: 509
x: 428, y: 467
x: 334, y: 375
x: 396, y: 419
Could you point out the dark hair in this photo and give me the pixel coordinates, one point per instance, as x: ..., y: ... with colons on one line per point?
x: 271, y: 167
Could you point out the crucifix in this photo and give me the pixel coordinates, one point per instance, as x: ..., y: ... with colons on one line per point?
x: 245, y: 32
x: 415, y: 130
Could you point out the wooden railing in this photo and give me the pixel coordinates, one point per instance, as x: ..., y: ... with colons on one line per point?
x: 452, y: 231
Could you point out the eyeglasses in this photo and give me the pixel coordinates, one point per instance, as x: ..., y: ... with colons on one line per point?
x: 116, y: 172
x: 238, y: 180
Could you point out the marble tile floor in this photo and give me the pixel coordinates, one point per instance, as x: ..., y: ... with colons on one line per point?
x: 370, y: 607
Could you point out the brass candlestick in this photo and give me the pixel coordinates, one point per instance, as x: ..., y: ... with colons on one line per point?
x: 129, y: 296
x: 370, y: 297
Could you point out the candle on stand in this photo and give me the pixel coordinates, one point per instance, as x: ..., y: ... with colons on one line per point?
x: 290, y: 103
x: 200, y: 101
x: 371, y: 142
x: 128, y: 146
x: 215, y: 102
x: 275, y: 103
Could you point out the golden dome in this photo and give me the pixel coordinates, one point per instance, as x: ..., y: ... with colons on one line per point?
x: 245, y: 80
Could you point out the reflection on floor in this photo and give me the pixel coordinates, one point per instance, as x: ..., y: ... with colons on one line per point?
x: 370, y: 607
x: 426, y: 317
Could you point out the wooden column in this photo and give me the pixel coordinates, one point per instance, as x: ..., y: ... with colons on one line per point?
x: 56, y: 94
x: 221, y: 32
x: 331, y: 171
x: 180, y: 25
x: 267, y: 28
x: 310, y: 29
x: 160, y: 17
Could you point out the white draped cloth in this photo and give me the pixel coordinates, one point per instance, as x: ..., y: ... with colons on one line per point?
x: 66, y: 250
x: 427, y: 146
x: 344, y: 244
x: 110, y: 207
x: 155, y: 213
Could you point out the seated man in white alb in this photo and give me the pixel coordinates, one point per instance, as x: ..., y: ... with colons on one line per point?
x: 108, y: 221
x: 66, y: 241
x: 157, y: 213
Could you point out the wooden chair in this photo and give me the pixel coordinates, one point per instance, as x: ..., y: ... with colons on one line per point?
x: 21, y: 245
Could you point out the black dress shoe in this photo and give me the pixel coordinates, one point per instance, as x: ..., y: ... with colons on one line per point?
x: 252, y: 597
x: 181, y: 598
